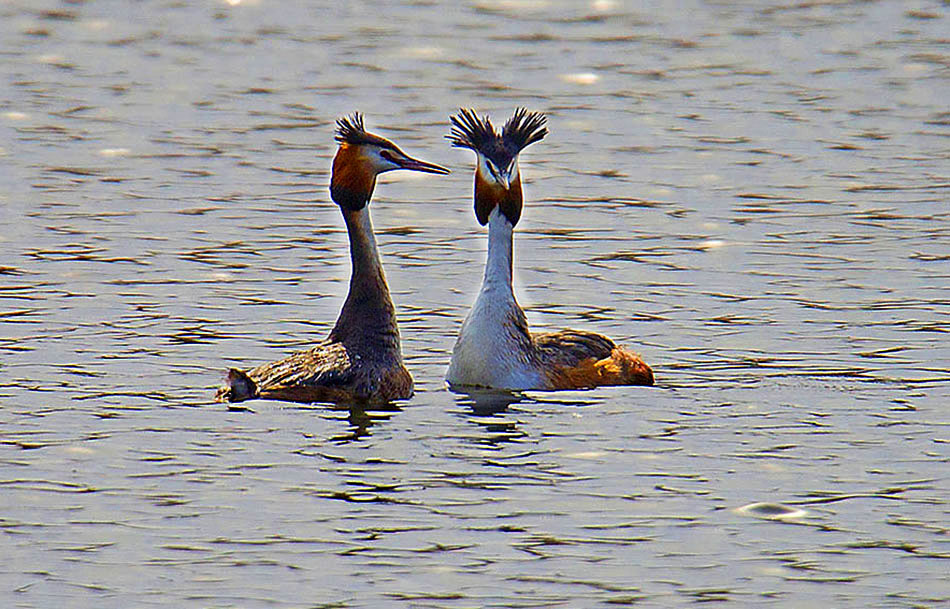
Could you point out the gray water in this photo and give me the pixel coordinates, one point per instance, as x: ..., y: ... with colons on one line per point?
x: 752, y: 195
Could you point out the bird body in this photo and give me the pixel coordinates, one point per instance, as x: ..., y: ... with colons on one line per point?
x: 495, y: 347
x: 327, y: 372
x: 361, y: 359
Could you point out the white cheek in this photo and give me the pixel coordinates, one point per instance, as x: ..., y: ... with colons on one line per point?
x: 483, y: 168
x: 378, y: 163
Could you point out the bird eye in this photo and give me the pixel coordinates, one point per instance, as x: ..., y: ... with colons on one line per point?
x: 387, y: 155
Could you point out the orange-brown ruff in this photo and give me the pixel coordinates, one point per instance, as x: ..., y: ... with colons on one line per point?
x: 495, y: 348
x: 360, y: 361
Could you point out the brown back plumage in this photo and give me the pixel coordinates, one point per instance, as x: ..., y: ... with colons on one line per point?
x: 574, y: 359
x: 324, y: 373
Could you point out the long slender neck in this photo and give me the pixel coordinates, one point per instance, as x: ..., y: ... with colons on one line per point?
x: 368, y: 315
x: 500, y: 253
x: 496, y: 321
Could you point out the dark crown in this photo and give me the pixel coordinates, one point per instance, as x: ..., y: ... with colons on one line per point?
x: 478, y: 134
x: 350, y: 130
x: 469, y: 131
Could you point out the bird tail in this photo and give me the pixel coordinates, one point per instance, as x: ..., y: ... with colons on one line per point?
x: 237, y: 388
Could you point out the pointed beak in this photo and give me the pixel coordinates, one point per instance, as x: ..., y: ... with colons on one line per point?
x: 501, y: 176
x: 407, y: 162
x: 504, y: 179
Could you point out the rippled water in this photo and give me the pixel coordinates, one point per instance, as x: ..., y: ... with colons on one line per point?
x: 753, y: 195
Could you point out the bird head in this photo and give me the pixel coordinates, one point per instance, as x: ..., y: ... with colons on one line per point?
x: 497, y: 177
x: 361, y: 157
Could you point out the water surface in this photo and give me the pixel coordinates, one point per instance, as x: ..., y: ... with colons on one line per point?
x: 752, y: 195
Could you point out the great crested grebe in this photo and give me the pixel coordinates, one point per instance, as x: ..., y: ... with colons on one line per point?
x: 495, y: 349
x: 360, y: 361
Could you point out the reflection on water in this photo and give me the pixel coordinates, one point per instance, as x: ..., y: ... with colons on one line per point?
x: 752, y: 195
x: 487, y: 402
x: 489, y: 410
x: 361, y: 418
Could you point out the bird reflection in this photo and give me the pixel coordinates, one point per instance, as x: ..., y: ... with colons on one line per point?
x: 488, y: 410
x: 487, y: 402
x: 362, y: 418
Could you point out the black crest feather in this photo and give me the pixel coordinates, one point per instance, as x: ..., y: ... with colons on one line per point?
x: 521, y: 130
x: 469, y: 131
x: 350, y: 129
x: 524, y: 129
